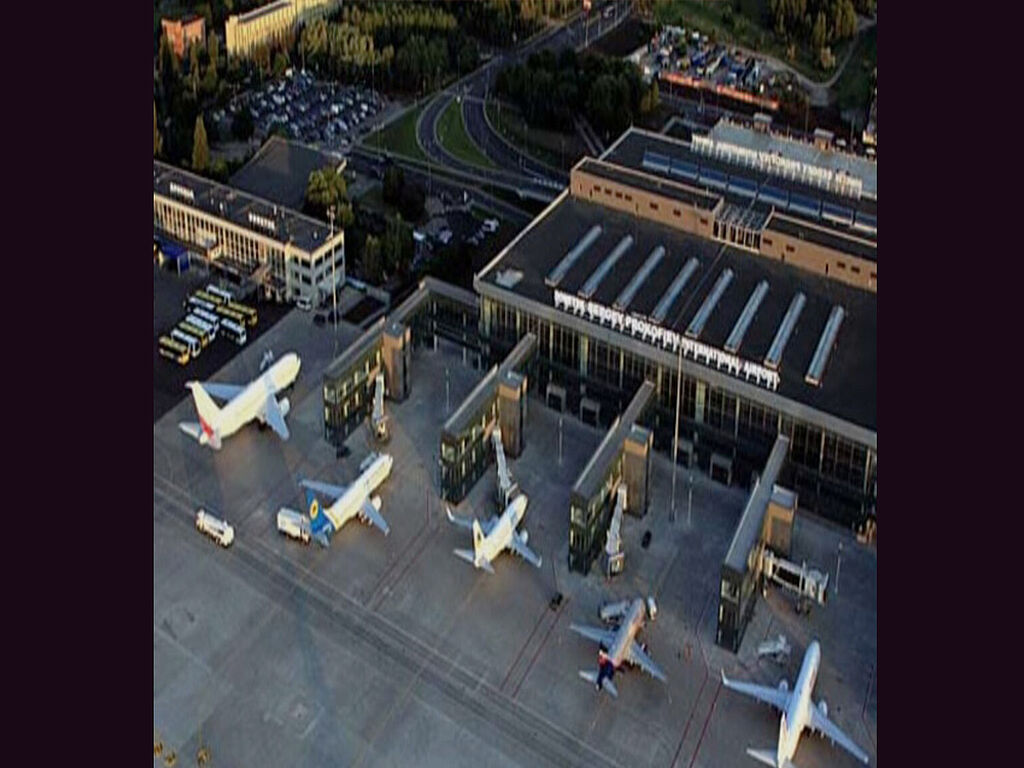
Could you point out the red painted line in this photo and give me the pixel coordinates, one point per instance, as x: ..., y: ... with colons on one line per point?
x: 693, y: 709
x: 706, y: 721
x: 521, y: 650
x: 526, y: 674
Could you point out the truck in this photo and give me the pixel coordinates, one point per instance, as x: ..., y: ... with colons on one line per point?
x: 293, y: 524
x: 217, y: 529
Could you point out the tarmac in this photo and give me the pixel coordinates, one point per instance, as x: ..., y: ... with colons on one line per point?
x: 389, y: 650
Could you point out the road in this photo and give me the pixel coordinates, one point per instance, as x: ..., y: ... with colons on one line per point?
x: 369, y: 163
x: 472, y: 90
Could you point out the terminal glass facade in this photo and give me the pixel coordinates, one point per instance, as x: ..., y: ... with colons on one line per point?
x: 834, y: 476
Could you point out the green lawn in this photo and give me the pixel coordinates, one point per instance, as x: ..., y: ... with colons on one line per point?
x: 853, y: 89
x: 451, y: 132
x: 745, y: 29
x: 399, y: 136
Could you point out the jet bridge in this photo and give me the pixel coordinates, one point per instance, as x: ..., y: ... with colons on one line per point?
x: 807, y: 583
x: 377, y: 419
x: 614, y: 557
x: 507, y: 488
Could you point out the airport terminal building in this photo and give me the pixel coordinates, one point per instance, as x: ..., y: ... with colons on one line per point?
x: 288, y: 253
x: 754, y: 275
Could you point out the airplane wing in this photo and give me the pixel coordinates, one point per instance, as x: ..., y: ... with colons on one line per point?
x: 517, y: 545
x: 824, y: 726
x: 486, y: 526
x: 605, y: 637
x: 222, y: 391
x: 370, y: 512
x: 638, y: 657
x: 774, y: 696
x: 326, y: 489
x: 275, y: 418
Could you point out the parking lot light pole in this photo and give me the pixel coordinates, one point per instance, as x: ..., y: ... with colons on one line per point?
x: 334, y: 269
x: 675, y: 440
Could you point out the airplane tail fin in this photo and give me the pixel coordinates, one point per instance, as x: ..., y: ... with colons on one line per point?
x: 466, y: 555
x: 317, y: 519
x: 209, y: 415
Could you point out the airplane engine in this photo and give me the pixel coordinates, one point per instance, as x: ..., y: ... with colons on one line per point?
x: 526, y: 536
x: 783, y: 686
x: 823, y: 707
x: 285, y: 406
x: 377, y: 502
x: 652, y: 609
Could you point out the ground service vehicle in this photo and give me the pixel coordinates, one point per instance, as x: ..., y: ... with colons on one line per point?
x: 293, y: 524
x: 215, y: 528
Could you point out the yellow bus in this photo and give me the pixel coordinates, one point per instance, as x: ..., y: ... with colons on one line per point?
x: 211, y: 298
x: 173, y: 350
x: 231, y: 314
x: 245, y: 310
x: 192, y: 329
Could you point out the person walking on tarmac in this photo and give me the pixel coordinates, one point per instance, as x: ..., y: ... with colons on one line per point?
x: 605, y: 667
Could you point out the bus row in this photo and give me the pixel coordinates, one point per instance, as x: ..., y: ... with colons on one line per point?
x: 214, y: 297
x: 200, y: 327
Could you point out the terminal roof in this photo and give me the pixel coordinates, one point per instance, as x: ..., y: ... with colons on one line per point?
x: 279, y: 172
x: 626, y: 161
x: 848, y: 389
x: 237, y: 206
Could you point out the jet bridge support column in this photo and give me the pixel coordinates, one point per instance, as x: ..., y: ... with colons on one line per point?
x: 636, y: 465
x: 397, y: 356
x: 512, y: 412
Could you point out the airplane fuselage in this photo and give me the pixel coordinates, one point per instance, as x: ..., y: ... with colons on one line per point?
x: 798, y: 711
x: 348, y: 504
x: 249, y: 403
x: 499, y: 537
x: 632, y: 622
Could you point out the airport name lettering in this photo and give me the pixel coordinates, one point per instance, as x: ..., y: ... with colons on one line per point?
x: 668, y: 339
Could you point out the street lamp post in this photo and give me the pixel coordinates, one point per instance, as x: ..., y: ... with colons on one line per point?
x: 334, y: 270
x: 675, y: 440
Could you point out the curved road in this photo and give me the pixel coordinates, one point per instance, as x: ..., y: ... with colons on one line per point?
x: 513, y: 164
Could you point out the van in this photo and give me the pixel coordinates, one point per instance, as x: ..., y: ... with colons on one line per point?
x: 304, y: 303
x: 215, y: 528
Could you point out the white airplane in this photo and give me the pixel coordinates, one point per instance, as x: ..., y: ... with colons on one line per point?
x: 256, y: 400
x: 497, y: 535
x: 349, y: 501
x: 798, y: 712
x: 619, y: 645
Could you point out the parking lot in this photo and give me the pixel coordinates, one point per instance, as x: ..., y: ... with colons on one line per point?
x: 326, y: 114
x: 390, y: 650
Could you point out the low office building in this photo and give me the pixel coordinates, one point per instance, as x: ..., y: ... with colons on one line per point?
x: 269, y: 23
x: 288, y: 254
x: 181, y: 33
x: 754, y: 278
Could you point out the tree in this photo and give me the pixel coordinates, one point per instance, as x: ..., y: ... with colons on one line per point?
x: 372, y: 265
x: 326, y: 189
x: 200, y: 150
x: 157, y: 140
x: 394, y: 180
x: 213, y: 49
x: 280, y: 63
x: 242, y: 125
x: 818, y: 33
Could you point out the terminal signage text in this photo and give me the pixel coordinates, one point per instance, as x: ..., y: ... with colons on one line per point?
x: 666, y: 338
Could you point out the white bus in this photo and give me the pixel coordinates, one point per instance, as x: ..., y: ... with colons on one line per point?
x: 195, y: 302
x: 193, y: 344
x: 174, y: 350
x: 207, y: 315
x: 205, y: 326
x: 218, y: 291
x: 232, y: 330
